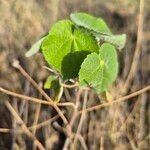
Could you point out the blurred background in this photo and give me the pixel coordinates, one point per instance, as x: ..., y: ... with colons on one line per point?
x: 122, y: 127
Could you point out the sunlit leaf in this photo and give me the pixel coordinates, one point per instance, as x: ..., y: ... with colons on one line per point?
x: 99, y: 70
x: 63, y: 39
x: 98, y: 28
x: 90, y: 22
x: 117, y: 40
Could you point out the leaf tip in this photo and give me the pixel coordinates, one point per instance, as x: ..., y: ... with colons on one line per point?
x: 27, y: 54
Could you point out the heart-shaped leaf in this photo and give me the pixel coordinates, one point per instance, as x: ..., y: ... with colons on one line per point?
x: 63, y: 39
x: 117, y: 40
x: 99, y: 29
x: 71, y: 64
x: 99, y: 70
x: 90, y: 22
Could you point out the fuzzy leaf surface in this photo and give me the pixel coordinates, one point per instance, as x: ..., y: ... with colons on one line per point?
x: 63, y: 39
x: 90, y: 22
x: 117, y: 40
x: 99, y: 70
x: 98, y: 28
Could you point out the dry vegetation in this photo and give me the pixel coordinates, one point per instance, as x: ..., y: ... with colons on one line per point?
x: 111, y: 125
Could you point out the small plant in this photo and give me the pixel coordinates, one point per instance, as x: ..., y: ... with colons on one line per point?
x: 82, y: 48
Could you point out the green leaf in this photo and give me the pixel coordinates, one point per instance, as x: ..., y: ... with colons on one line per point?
x: 58, y: 43
x: 98, y: 28
x: 117, y: 40
x: 71, y: 64
x: 90, y: 22
x: 35, y: 48
x: 52, y: 83
x: 63, y: 39
x: 83, y: 40
x: 48, y: 82
x: 99, y: 70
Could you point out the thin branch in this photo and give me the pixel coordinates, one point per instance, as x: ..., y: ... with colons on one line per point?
x: 79, y: 136
x: 51, y: 70
x: 137, y: 52
x: 123, y: 125
x: 101, y: 143
x: 142, y: 119
x: 24, y: 127
x: 69, y: 86
x: 119, y: 100
x: 74, y: 115
x: 24, y: 73
x: 36, y: 118
x: 66, y: 104
x: 37, y: 126
x: 35, y: 100
x: 82, y: 141
x: 82, y: 117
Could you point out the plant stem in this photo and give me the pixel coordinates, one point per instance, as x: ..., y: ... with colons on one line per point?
x: 119, y: 100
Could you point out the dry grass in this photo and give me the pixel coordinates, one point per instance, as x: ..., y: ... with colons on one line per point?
x: 31, y: 125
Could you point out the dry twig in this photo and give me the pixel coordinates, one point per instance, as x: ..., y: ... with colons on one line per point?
x: 24, y: 73
x: 37, y: 126
x: 35, y: 100
x: 73, y: 119
x: 119, y: 100
x: 82, y: 117
x: 137, y: 52
x: 24, y: 127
